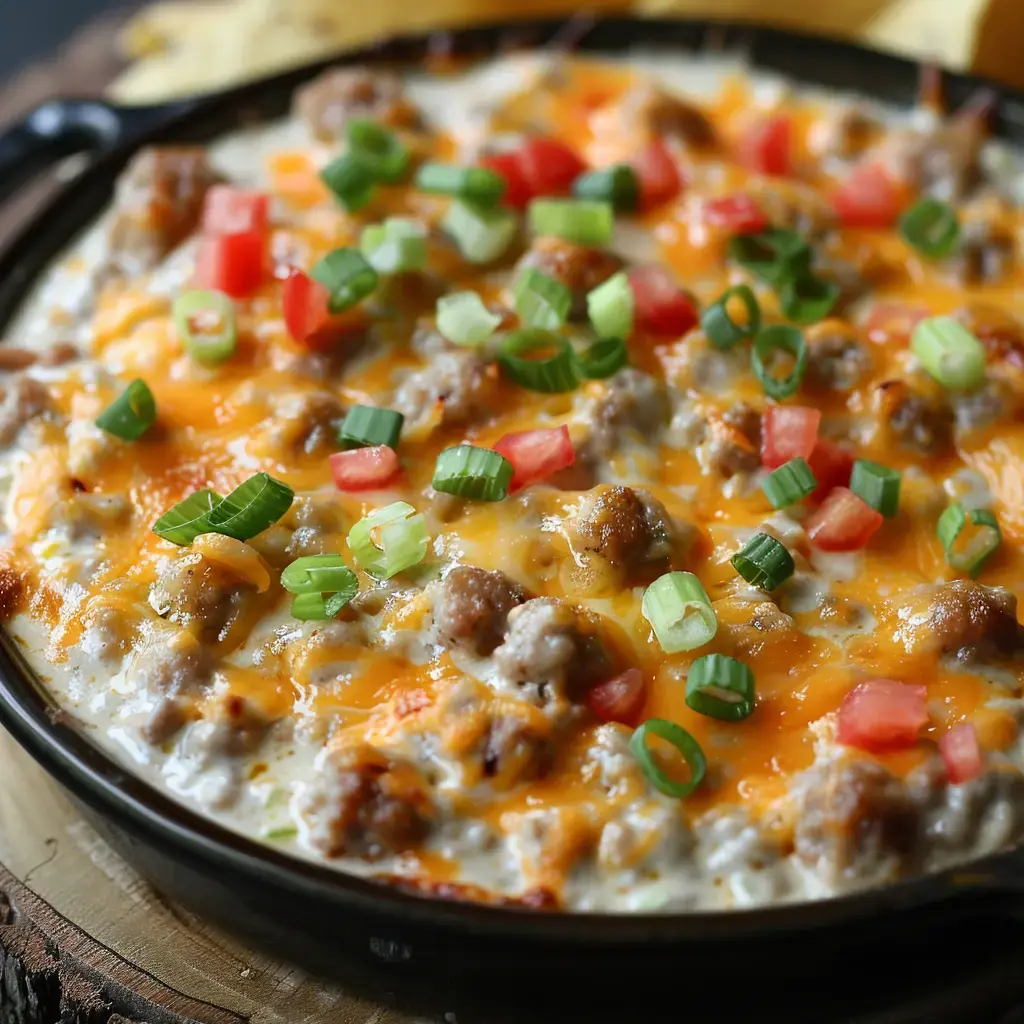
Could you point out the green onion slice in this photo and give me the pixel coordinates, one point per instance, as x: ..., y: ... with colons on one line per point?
x: 718, y: 324
x: 389, y: 540
x: 679, y: 610
x: 615, y: 185
x: 251, y: 507
x: 775, y: 255
x: 131, y: 414
x: 575, y: 220
x: 877, y: 485
x: 347, y: 276
x: 687, y: 746
x: 366, y: 426
x: 602, y: 359
x: 205, y: 322
x: 806, y: 298
x: 379, y: 149
x: 320, y: 574
x: 553, y: 374
x: 949, y: 352
x: 791, y: 482
x: 779, y: 338
x: 482, y: 234
x: 541, y: 301
x: 611, y: 307
x: 351, y: 181
x: 396, y: 246
x: 930, y: 227
x: 720, y: 687
x: 470, y: 472
x: 322, y: 606
x: 477, y: 184
x: 970, y: 537
x: 188, y: 519
x: 463, y: 319
x: 764, y: 562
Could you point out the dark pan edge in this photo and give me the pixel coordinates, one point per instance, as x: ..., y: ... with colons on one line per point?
x: 144, y: 811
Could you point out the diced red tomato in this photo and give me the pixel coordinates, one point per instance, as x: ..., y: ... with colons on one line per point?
x: 882, y: 714
x: 790, y: 432
x: 536, y: 454
x: 766, y: 146
x: 661, y: 306
x: 890, y: 320
x: 228, y: 210
x: 831, y: 466
x: 233, y: 264
x: 517, y: 191
x: 959, y: 749
x: 364, y: 469
x: 549, y: 167
x: 843, y: 522
x: 869, y: 198
x: 657, y: 174
x: 305, y: 306
x: 737, y: 215
x: 620, y: 699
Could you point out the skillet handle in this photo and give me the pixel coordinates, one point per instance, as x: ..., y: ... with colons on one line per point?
x: 54, y: 130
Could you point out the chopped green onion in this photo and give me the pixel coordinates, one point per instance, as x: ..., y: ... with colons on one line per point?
x: 188, y: 519
x: 602, y: 359
x: 469, y: 472
x: 320, y: 574
x: 722, y: 330
x: 463, y: 319
x: 541, y: 301
x: 205, y: 321
x: 611, y: 307
x: 396, y: 246
x: 575, y: 220
x: 970, y: 537
x: 679, y: 610
x: 347, y: 276
x: 380, y: 150
x: 616, y: 185
x: 775, y: 255
x: 477, y: 184
x: 553, y: 374
x: 389, y: 540
x: 949, y: 352
x: 877, y: 485
x: 764, y: 562
x: 308, y: 607
x: 806, y: 298
x: 779, y: 338
x: 251, y: 507
x: 687, y: 746
x: 366, y: 426
x: 131, y: 414
x: 720, y: 687
x: 930, y: 226
x: 482, y: 234
x: 350, y: 180
x: 790, y: 483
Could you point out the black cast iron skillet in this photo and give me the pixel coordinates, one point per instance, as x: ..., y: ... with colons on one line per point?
x: 822, y: 961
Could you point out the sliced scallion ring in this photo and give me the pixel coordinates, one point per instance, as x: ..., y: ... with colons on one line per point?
x: 350, y: 180
x: 366, y: 426
x: 687, y: 746
x: 396, y: 246
x: 477, y: 184
x: 877, y: 485
x: 347, y: 276
x: 718, y: 324
x: 679, y: 610
x: 616, y: 185
x: 576, y: 220
x: 553, y: 374
x: 774, y: 255
x: 970, y: 537
x: 205, y: 322
x: 320, y: 574
x: 463, y: 319
x: 131, y: 414
x: 541, y: 301
x: 188, y: 519
x: 611, y: 307
x: 251, y: 507
x: 764, y: 562
x: 479, y: 474
x: 779, y: 338
x: 313, y: 607
x: 390, y: 540
x: 949, y: 352
x: 602, y: 359
x: 931, y: 228
x: 791, y: 482
x: 481, y: 233
x: 806, y: 298
x: 379, y: 149
x: 720, y: 687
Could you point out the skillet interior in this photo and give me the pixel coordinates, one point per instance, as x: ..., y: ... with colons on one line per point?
x: 299, y: 907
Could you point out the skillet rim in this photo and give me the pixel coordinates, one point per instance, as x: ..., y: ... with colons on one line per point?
x: 144, y: 811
